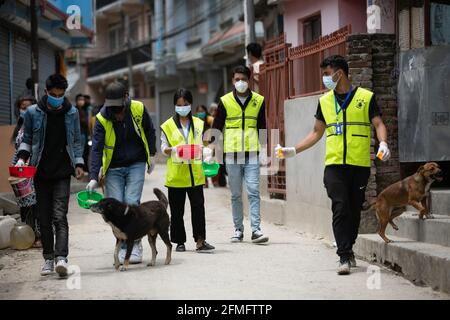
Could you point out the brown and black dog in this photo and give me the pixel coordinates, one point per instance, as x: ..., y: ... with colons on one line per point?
x: 413, y: 191
x: 130, y: 223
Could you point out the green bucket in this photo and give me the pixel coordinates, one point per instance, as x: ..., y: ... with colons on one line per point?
x: 87, y: 198
x: 211, y: 169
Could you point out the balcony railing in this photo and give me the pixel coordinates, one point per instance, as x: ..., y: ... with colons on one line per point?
x: 117, y: 61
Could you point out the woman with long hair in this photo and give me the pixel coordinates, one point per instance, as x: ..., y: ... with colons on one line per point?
x: 184, y: 176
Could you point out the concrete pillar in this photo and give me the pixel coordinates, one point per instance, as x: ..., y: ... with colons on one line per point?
x: 159, y: 29
x: 170, y: 23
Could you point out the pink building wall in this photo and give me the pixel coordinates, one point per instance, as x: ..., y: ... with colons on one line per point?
x: 353, y: 12
x: 299, y: 9
x: 334, y: 15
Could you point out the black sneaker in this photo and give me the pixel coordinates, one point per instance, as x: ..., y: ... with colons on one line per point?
x: 180, y: 247
x: 352, y: 261
x: 206, y: 247
x: 259, y: 237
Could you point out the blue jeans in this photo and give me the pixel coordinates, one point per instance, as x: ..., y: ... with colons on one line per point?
x: 126, y: 184
x: 250, y: 174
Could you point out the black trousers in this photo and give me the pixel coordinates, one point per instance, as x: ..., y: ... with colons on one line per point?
x: 52, y: 206
x: 30, y: 217
x: 346, y: 186
x: 177, y: 198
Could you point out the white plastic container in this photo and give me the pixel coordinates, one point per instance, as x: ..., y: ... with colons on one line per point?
x: 6, y: 225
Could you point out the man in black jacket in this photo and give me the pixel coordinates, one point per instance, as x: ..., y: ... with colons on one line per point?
x: 123, y: 144
x: 52, y: 143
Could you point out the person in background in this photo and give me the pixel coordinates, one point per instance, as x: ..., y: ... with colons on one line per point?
x: 346, y: 114
x: 28, y: 91
x: 123, y: 145
x: 80, y: 104
x: 52, y: 143
x: 240, y: 116
x: 254, y: 53
x: 202, y: 113
x: 28, y: 212
x: 89, y: 110
x: 219, y: 180
x: 212, y: 110
x: 184, y: 177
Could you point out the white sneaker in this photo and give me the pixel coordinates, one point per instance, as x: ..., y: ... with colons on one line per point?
x: 48, y: 267
x: 238, y: 236
x: 61, y: 268
x: 136, y: 253
x: 343, y: 268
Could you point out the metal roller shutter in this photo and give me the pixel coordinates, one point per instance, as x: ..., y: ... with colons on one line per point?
x: 21, y: 64
x: 47, y: 63
x: 5, y: 104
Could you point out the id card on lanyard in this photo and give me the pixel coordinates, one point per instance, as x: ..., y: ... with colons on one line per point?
x: 338, y: 127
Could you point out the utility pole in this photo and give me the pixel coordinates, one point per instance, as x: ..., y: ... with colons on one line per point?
x: 34, y: 48
x: 249, y: 19
x: 127, y: 42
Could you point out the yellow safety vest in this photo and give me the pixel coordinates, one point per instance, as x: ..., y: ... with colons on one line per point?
x: 241, y: 131
x: 183, y: 174
x: 137, y: 112
x: 353, y: 145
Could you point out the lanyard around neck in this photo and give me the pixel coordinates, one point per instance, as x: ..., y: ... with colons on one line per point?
x: 338, y: 107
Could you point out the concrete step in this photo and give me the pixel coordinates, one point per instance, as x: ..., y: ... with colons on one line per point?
x: 422, y: 263
x: 440, y: 201
x: 436, y: 231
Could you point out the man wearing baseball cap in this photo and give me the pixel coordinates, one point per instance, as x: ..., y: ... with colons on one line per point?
x: 123, y: 145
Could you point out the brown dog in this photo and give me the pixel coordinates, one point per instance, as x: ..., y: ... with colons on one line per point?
x: 413, y: 191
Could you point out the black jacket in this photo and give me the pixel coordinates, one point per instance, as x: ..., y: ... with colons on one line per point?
x: 129, y: 147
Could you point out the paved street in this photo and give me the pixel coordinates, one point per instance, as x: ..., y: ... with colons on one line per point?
x: 291, y: 266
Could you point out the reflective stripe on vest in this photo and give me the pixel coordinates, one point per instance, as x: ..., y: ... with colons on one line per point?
x: 137, y: 112
x: 183, y: 175
x: 241, y: 131
x: 356, y: 131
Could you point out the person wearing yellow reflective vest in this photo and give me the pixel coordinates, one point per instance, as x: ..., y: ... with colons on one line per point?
x: 240, y: 116
x: 184, y: 175
x: 345, y: 114
x: 123, y: 146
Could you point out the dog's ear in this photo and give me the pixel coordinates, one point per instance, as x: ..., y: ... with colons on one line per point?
x: 421, y: 169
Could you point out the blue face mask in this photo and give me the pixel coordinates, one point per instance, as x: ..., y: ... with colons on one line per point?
x: 201, y: 115
x: 329, y: 83
x: 22, y: 113
x: 183, y: 110
x: 54, y: 102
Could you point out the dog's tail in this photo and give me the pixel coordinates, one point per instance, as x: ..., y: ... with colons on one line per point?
x: 369, y: 206
x: 161, y: 197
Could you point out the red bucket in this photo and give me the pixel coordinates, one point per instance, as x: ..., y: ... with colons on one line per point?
x: 188, y: 151
x: 22, y: 172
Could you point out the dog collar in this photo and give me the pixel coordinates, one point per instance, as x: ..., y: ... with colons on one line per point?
x: 126, y: 210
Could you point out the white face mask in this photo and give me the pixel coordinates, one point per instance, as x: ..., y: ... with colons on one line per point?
x: 241, y: 86
x: 329, y: 83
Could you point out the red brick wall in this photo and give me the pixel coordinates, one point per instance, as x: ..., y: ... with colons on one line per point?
x: 372, y: 61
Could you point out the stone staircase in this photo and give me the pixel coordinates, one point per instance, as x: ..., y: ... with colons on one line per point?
x: 421, y: 248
